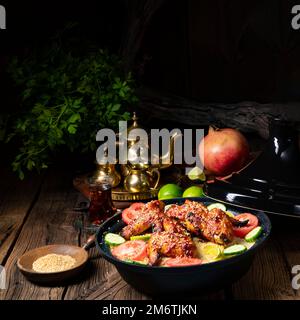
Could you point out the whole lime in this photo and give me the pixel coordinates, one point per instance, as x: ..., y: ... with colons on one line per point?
x: 193, y: 192
x: 169, y: 191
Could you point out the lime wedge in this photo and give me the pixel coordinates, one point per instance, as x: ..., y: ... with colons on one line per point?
x: 193, y: 191
x: 196, y: 174
x: 169, y: 191
x: 216, y: 205
x: 209, y: 251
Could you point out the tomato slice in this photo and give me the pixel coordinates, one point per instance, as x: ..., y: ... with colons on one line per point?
x: 180, y: 262
x: 132, y: 212
x: 135, y: 250
x: 127, y: 215
x: 137, y: 206
x: 241, y: 232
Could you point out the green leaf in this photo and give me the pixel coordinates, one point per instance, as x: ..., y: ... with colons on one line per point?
x: 116, y: 107
x: 68, y: 95
x: 72, y: 129
x: 21, y: 174
x: 77, y: 103
x: 74, y: 118
x: 30, y: 164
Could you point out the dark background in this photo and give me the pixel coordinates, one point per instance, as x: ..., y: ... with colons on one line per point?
x: 210, y: 50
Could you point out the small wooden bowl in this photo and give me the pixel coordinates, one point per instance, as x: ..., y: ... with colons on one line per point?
x: 26, y: 260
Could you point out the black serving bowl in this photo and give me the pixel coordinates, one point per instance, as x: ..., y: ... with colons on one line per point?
x: 197, y: 279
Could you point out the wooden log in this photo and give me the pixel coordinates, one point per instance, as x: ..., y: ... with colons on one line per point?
x: 246, y: 116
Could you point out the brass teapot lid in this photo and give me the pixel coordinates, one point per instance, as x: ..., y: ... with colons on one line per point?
x: 134, y: 125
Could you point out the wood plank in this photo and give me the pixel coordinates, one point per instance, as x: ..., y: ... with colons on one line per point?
x: 102, y: 281
x: 288, y: 237
x: 50, y: 221
x: 16, y: 199
x: 268, y: 278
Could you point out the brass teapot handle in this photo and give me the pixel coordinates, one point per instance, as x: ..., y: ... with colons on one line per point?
x: 157, y: 172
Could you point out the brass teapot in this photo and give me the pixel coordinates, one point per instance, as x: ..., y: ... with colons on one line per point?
x: 107, y: 173
x: 160, y: 159
x: 136, y: 176
x: 140, y: 180
x: 142, y: 176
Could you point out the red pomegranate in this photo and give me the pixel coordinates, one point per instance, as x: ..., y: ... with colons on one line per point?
x: 223, y: 151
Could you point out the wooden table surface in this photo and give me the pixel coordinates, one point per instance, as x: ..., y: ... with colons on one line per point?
x: 37, y: 212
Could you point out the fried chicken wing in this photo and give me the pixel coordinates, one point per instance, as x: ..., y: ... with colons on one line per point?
x: 193, y: 217
x: 152, y: 215
x: 217, y: 227
x: 167, y: 244
x: 212, y: 225
x: 180, y: 212
x: 174, y: 226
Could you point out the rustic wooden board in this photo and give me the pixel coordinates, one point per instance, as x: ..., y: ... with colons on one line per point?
x: 49, y: 222
x: 288, y: 237
x: 32, y: 216
x: 16, y: 200
x: 102, y: 281
x: 268, y: 278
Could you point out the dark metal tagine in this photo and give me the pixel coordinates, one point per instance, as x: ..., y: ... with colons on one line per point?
x: 272, y: 181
